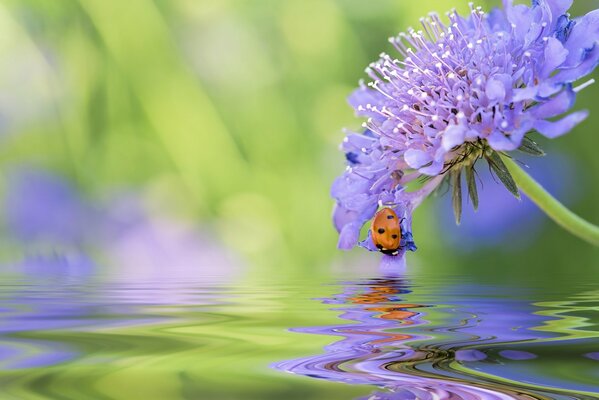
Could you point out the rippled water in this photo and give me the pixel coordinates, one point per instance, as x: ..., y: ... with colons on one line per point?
x: 381, y: 338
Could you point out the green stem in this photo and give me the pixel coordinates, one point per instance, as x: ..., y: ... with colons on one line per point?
x: 553, y: 208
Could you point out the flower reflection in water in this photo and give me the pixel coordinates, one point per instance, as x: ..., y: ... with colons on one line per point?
x: 471, y: 348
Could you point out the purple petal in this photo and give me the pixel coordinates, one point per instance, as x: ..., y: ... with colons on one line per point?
x: 433, y: 169
x: 555, y: 106
x: 367, y: 243
x: 564, y: 125
x: 520, y: 16
x: 343, y: 216
x: 417, y: 158
x: 555, y: 55
x: 349, y: 236
x: 583, y: 36
x: 354, y: 141
x: 591, y: 60
x: 453, y: 136
x: 393, y: 265
x: 500, y: 142
x: 529, y: 92
x: 558, y: 7
x: 495, y: 90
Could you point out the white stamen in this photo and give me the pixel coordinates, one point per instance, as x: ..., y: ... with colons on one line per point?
x: 583, y: 86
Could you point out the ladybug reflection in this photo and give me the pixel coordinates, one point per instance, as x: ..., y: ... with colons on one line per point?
x: 386, y: 231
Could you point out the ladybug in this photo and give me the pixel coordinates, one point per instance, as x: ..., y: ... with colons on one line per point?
x: 386, y: 231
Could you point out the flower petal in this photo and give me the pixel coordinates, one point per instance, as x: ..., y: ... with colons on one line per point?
x: 583, y: 36
x: 555, y: 55
x: 349, y: 235
x: 555, y: 106
x: 393, y: 265
x: 591, y: 60
x: 558, y: 128
x: 368, y: 243
x: 417, y: 158
x: 495, y: 90
x: 433, y: 169
x: 453, y: 136
x: 342, y: 216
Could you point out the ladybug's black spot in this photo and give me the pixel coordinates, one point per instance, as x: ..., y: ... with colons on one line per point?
x: 389, y: 216
x: 394, y: 236
x: 381, y: 230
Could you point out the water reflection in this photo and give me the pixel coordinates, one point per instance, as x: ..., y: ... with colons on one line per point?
x: 463, y: 342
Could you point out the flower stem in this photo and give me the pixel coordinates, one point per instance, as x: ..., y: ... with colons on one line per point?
x: 553, y: 208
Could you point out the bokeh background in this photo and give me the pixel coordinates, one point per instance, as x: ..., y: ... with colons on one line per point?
x: 186, y: 132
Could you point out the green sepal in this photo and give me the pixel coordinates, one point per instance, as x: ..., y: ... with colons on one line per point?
x: 528, y: 146
x: 499, y: 168
x: 456, y: 180
x: 472, y: 189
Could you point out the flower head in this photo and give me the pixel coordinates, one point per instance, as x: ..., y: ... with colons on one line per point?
x: 457, y: 92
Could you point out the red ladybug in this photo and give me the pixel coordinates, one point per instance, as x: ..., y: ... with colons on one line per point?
x: 386, y: 231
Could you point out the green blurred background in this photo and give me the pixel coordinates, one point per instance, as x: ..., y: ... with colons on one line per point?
x: 229, y: 113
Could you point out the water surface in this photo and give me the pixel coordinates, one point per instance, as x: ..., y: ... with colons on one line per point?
x: 401, y: 337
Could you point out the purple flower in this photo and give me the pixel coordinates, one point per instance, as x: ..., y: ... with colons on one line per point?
x: 461, y: 91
